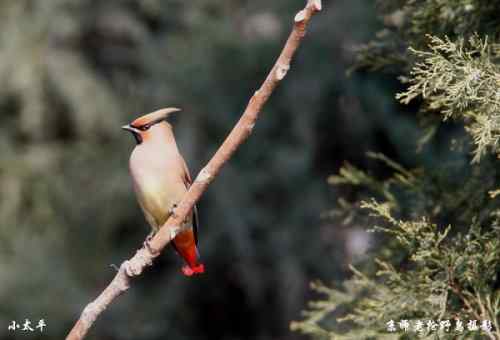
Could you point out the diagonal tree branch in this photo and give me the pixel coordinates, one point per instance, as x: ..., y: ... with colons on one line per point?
x: 144, y: 257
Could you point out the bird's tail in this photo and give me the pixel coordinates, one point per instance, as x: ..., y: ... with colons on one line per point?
x: 193, y: 266
x: 193, y: 270
x: 185, y: 244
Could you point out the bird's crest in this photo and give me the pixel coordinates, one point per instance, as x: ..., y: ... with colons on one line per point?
x: 154, y: 117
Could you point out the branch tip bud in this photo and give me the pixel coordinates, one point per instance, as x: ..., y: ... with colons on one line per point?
x: 300, y: 16
x: 317, y: 5
x: 203, y: 176
x: 250, y: 127
x: 281, y: 71
x: 173, y: 232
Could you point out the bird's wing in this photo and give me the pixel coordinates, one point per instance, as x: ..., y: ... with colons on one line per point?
x: 195, y: 224
x: 188, y: 181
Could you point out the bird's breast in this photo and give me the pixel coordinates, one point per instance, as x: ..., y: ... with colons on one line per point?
x: 157, y: 185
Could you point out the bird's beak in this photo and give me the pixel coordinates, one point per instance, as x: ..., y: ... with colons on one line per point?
x: 129, y: 128
x: 135, y: 132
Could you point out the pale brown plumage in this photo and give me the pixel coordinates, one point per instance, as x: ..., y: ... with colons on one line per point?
x: 161, y: 178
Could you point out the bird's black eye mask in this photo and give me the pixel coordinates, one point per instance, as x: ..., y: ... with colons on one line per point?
x: 138, y: 137
x: 135, y: 130
x: 146, y: 127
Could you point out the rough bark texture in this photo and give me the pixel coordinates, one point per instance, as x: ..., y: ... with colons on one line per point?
x: 144, y: 257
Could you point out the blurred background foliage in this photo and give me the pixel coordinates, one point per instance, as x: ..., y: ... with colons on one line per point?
x: 74, y: 71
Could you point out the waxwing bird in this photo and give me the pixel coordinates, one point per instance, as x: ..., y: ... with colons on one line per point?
x: 161, y: 178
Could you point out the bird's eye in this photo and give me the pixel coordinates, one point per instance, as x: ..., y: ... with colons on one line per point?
x: 144, y: 127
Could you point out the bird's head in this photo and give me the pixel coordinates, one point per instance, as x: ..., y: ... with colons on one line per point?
x: 142, y: 126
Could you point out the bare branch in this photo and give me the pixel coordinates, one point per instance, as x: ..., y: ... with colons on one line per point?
x: 144, y: 257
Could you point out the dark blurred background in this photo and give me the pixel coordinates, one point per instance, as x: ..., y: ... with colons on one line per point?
x: 73, y: 71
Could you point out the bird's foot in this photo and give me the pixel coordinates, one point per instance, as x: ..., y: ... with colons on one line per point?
x: 174, y: 215
x: 150, y: 236
x: 171, y: 211
x: 147, y: 245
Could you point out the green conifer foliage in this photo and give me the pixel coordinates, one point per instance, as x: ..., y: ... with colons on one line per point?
x: 438, y: 256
